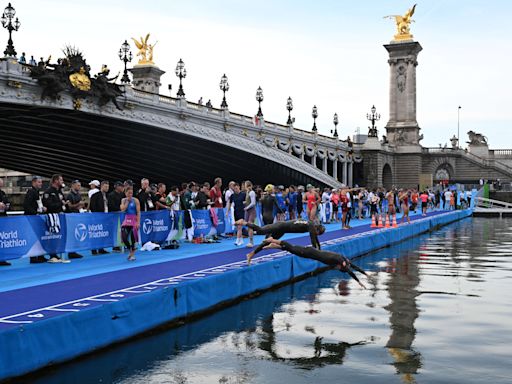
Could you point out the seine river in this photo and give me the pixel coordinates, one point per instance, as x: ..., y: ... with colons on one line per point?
x: 438, y: 309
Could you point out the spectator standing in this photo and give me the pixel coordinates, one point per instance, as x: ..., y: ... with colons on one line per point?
x: 236, y: 202
x: 145, y: 196
x: 335, y: 201
x: 99, y: 203
x: 32, y: 205
x: 216, y: 193
x: 173, y: 199
x: 4, y: 201
x: 94, y: 186
x: 424, y: 203
x: 292, y: 202
x: 281, y: 204
x: 115, y: 197
x: 161, y: 197
x: 114, y: 202
x: 53, y: 200
x: 74, y: 198
x: 447, y: 199
x: 74, y: 205
x: 250, y: 210
x: 300, y: 201
x: 202, y: 201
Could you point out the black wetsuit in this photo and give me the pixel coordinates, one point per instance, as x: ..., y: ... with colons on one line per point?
x: 277, y: 230
x: 267, y: 209
x: 327, y: 257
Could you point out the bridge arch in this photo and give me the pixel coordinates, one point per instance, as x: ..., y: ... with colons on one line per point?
x: 443, y: 172
x: 387, y: 176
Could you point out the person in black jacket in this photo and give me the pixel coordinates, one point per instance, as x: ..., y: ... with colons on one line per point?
x: 202, y: 199
x: 32, y: 205
x: 114, y: 202
x: 74, y: 205
x: 4, y: 201
x: 99, y: 203
x: 4, y: 207
x: 53, y: 200
x: 146, y: 197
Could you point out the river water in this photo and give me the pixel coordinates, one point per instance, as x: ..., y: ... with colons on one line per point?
x: 438, y: 309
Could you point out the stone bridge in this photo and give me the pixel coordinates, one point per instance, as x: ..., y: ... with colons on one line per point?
x: 155, y: 136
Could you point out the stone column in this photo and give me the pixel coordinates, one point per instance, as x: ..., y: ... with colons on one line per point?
x: 345, y: 179
x: 402, y: 127
x: 324, y: 165
x: 313, y: 160
x: 335, y: 169
x: 146, y: 78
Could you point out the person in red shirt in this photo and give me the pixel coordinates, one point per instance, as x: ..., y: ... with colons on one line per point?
x: 344, y: 209
x: 414, y: 200
x: 424, y: 202
x: 216, y: 193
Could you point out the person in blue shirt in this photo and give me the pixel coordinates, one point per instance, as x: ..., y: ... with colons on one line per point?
x: 281, y: 203
x: 292, y: 202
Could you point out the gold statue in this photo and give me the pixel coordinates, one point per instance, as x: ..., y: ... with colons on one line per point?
x: 80, y: 80
x: 402, y: 24
x: 145, y: 50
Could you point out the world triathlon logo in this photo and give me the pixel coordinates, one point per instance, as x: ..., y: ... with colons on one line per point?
x: 80, y: 232
x: 147, y: 226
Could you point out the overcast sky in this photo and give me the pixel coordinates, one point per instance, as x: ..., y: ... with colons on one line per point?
x: 327, y: 53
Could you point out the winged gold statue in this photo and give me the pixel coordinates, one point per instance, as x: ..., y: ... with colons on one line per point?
x: 403, y: 23
x: 145, y: 50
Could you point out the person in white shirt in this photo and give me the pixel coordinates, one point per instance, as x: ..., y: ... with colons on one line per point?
x: 447, y: 197
x: 95, y: 187
x: 230, y: 213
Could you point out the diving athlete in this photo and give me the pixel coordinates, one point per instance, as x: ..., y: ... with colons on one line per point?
x: 333, y: 259
x: 277, y: 230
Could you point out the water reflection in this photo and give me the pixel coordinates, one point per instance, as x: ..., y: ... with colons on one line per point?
x: 401, y: 286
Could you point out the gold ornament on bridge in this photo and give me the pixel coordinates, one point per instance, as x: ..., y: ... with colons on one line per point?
x: 80, y: 80
x: 145, y: 50
x: 402, y: 24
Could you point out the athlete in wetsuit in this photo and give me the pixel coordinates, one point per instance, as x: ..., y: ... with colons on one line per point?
x: 277, y: 230
x: 327, y: 257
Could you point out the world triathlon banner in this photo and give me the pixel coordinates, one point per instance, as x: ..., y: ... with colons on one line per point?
x: 24, y: 236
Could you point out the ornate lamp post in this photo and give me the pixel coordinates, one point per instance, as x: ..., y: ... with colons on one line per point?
x: 314, y: 113
x: 181, y: 72
x: 259, y: 99
x: 7, y: 23
x: 224, y: 87
x: 125, y: 55
x: 335, y: 121
x: 373, y: 117
x: 289, y: 107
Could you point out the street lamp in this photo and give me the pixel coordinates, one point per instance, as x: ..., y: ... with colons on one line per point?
x: 259, y: 99
x: 289, y: 107
x: 373, y: 117
x: 314, y: 113
x: 335, y: 121
x: 7, y: 23
x: 224, y: 87
x: 125, y: 55
x: 181, y: 72
x: 458, y: 126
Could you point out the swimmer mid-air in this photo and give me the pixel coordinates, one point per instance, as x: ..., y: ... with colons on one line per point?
x: 279, y: 229
x: 327, y: 257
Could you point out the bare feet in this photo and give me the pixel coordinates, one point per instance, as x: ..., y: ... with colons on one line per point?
x: 249, y: 256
